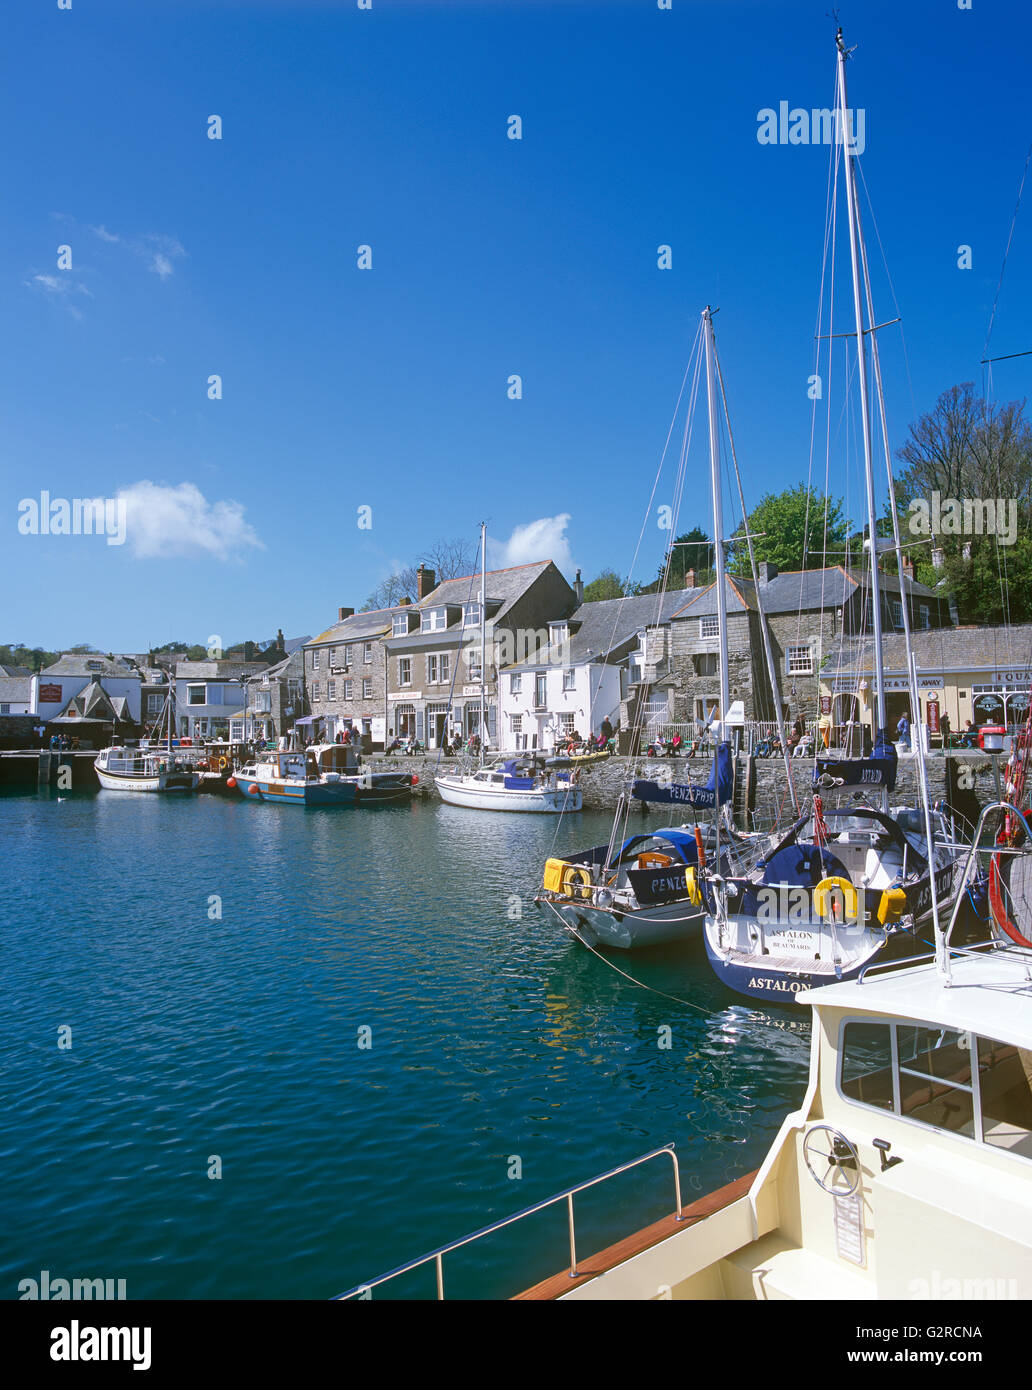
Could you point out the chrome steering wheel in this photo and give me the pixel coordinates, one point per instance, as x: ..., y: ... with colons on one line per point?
x: 831, y: 1160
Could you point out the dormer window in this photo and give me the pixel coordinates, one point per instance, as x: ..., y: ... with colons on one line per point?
x: 434, y: 620
x: 558, y: 633
x: 399, y: 625
x: 471, y: 614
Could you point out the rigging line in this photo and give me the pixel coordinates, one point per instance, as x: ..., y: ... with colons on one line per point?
x: 892, y: 289
x: 830, y: 244
x: 1003, y: 267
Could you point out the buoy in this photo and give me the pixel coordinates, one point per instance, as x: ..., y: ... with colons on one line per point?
x: 415, y: 780
x: 253, y: 789
x: 231, y: 782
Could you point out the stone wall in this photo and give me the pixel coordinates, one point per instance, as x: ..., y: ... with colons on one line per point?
x: 601, y: 783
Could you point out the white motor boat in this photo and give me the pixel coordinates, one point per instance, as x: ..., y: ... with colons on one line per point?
x: 140, y: 770
x: 511, y: 786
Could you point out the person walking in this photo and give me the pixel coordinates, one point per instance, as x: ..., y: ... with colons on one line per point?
x: 903, y: 732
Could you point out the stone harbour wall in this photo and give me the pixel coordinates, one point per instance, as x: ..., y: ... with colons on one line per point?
x: 601, y: 783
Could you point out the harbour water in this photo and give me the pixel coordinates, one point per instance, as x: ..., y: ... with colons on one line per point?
x: 216, y: 964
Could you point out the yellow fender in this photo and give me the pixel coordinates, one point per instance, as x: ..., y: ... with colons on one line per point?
x: 892, y: 906
x: 691, y: 882
x: 823, y: 897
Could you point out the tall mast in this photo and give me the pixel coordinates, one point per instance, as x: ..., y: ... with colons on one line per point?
x: 718, y: 517
x: 483, y: 634
x: 855, y: 250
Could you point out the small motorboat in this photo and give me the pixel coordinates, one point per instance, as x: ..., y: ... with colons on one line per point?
x: 323, y: 775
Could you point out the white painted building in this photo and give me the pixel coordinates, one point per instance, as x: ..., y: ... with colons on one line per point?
x: 591, y: 663
x: 208, y: 693
x: 69, y: 676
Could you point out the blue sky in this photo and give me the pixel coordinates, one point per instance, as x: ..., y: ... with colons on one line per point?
x: 388, y: 387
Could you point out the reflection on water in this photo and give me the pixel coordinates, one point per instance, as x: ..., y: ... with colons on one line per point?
x: 366, y: 1020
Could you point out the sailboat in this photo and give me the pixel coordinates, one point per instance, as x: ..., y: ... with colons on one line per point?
x: 125, y: 769
x: 644, y: 890
x: 849, y: 885
x: 526, y: 782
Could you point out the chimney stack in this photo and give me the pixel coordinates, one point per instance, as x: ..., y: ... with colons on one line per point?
x: 343, y: 613
x: 908, y: 567
x: 426, y: 582
x: 404, y: 602
x: 578, y: 589
x: 765, y: 571
x: 689, y: 579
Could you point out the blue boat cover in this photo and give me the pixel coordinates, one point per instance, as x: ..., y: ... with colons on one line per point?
x: 716, y: 791
x: 879, y: 770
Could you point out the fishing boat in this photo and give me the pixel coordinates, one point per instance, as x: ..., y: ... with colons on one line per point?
x: 522, y: 783
x: 322, y: 775
x: 149, y: 769
x: 852, y: 884
x: 143, y: 770
x: 905, y: 1173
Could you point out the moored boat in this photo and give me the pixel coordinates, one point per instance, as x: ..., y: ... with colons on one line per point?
x: 322, y: 775
x: 143, y: 770
x: 917, y: 1112
x: 513, y: 784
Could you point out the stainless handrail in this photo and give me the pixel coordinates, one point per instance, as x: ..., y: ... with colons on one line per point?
x: 566, y: 1196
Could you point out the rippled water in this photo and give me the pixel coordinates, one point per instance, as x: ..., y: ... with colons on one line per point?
x: 497, y: 1044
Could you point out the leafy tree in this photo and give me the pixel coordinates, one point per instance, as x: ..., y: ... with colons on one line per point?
x: 787, y: 528
x: 607, y: 585
x: 17, y: 654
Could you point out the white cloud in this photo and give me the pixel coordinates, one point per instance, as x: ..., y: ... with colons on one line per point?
x: 544, y: 539
x: 60, y: 288
x: 163, y: 521
x: 105, y: 235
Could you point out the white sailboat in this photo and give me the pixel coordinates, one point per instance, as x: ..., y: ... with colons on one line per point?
x: 123, y: 769
x: 521, y: 783
x: 643, y: 890
x: 851, y: 884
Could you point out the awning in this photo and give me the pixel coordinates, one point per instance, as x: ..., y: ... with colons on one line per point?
x: 310, y: 719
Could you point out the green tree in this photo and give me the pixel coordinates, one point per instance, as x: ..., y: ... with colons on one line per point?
x: 607, y: 585
x: 790, y: 529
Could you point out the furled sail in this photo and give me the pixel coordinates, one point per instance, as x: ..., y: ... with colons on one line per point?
x: 716, y: 791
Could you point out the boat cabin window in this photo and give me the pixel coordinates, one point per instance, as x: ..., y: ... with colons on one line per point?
x: 925, y: 1074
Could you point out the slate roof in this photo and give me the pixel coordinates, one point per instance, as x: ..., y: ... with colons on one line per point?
x: 90, y: 664
x: 942, y: 649
x: 373, y: 623
x: 15, y: 671
x: 15, y: 690
x: 608, y: 627
x: 796, y: 590
x: 503, y: 587
x: 95, y: 703
x: 224, y: 668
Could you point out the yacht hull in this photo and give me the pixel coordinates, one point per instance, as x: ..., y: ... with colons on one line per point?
x: 663, y: 924
x: 455, y: 791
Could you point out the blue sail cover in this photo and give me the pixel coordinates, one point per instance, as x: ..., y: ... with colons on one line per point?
x: 716, y: 791
x: 879, y: 770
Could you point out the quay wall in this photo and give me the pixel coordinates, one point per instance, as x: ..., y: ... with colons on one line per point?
x: 601, y: 783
